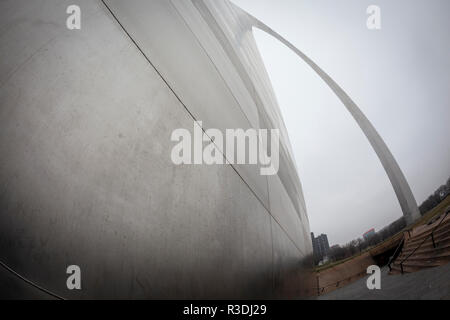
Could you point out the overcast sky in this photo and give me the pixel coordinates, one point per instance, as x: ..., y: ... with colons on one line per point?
x: 400, y: 78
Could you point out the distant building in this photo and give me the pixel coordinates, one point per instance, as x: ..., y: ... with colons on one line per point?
x: 369, y: 234
x: 321, y: 247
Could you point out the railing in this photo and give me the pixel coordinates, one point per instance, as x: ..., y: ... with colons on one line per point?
x: 447, y: 211
x: 397, y: 252
x: 320, y: 290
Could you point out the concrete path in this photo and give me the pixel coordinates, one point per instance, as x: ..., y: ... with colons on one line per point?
x: 433, y: 283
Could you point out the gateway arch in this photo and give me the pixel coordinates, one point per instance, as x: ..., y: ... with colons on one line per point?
x: 398, y: 181
x: 86, y: 177
x: 401, y: 187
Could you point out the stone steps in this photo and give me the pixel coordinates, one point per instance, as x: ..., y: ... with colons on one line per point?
x: 443, y: 230
x: 414, y: 259
x: 427, y: 246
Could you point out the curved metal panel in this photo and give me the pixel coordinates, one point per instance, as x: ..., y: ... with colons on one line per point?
x: 86, y: 177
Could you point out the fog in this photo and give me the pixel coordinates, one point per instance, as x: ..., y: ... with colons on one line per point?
x: 399, y: 77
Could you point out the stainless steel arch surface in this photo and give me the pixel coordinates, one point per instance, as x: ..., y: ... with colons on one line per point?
x: 86, y: 177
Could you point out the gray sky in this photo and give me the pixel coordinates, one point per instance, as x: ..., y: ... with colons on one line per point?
x: 400, y: 78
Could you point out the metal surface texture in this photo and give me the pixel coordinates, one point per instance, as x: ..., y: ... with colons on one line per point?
x: 86, y: 176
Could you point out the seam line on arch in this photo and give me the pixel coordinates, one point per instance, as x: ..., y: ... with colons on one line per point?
x: 193, y: 117
x: 18, y: 275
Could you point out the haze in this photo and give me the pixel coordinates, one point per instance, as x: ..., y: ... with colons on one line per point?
x: 399, y: 77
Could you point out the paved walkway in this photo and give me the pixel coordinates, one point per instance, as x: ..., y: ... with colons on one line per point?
x: 433, y: 283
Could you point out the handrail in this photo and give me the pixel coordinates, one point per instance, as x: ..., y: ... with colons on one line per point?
x: 397, y: 252
x: 447, y: 211
x: 320, y: 290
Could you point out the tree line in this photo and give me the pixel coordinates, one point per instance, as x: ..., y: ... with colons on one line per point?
x: 356, y: 246
x: 433, y: 200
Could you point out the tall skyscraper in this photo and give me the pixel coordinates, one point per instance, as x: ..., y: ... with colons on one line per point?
x: 320, y: 246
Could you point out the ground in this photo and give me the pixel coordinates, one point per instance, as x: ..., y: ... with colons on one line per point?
x: 433, y: 283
